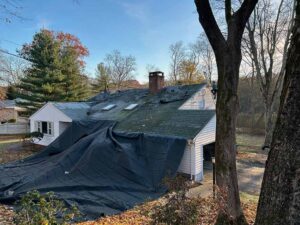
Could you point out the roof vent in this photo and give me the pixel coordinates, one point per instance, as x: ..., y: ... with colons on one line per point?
x: 131, y: 106
x: 109, y: 107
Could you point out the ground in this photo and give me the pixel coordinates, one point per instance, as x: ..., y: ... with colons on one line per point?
x: 250, y: 164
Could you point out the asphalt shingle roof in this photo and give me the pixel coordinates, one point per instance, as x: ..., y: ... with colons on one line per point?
x: 157, y: 114
x: 74, y: 110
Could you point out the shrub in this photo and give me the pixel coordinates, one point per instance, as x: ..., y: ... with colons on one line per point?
x: 12, y: 120
x: 47, y: 209
x: 177, y: 209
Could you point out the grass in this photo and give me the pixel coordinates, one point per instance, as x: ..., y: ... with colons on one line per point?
x: 12, y: 148
x: 245, y: 197
x: 249, y: 143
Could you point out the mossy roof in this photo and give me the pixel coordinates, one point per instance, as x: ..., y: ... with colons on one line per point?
x: 155, y: 114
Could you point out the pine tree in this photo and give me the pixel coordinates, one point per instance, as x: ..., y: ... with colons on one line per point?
x: 103, y: 81
x: 75, y: 82
x: 56, y: 73
x: 11, y: 92
x: 42, y: 81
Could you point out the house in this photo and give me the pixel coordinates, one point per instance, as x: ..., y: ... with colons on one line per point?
x: 54, y: 117
x: 186, y: 111
x: 9, y: 111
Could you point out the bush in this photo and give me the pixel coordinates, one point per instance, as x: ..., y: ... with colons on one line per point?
x: 34, y: 208
x: 178, y: 209
x: 12, y: 120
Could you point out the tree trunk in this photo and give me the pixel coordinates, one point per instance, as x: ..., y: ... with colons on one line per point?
x: 227, y: 110
x: 279, y: 201
x: 228, y: 57
x: 268, y: 125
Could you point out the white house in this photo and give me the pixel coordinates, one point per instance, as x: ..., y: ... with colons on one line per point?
x: 54, y: 117
x: 186, y: 111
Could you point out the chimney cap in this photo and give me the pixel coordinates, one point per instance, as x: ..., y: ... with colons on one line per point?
x: 156, y: 73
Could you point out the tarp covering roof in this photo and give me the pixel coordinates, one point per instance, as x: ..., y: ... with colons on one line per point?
x: 102, y: 171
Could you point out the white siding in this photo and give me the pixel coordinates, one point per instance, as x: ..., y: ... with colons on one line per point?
x: 185, y: 164
x: 206, y: 136
x: 197, y: 99
x: 48, y: 113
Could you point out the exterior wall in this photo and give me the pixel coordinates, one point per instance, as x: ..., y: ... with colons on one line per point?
x: 206, y: 136
x: 185, y: 164
x: 48, y: 113
x: 7, y: 114
x: 203, y: 95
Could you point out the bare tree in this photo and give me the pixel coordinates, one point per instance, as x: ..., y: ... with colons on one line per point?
x: 279, y: 201
x: 228, y: 55
x: 11, y: 70
x: 177, y: 52
x: 207, y: 57
x: 120, y: 67
x: 266, y: 42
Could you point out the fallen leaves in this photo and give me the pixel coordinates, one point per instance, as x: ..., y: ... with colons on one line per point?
x: 138, y: 216
x: 6, y: 215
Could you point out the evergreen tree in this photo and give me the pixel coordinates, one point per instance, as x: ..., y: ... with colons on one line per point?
x: 103, y: 80
x: 11, y: 92
x: 56, y: 70
x: 42, y: 81
x: 75, y: 82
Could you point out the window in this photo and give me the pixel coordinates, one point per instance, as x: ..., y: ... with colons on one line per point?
x: 108, y: 107
x: 131, y: 106
x: 45, y: 127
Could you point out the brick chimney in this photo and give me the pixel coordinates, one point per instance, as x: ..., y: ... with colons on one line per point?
x: 156, y: 81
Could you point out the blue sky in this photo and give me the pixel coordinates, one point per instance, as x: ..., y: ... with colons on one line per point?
x: 142, y: 28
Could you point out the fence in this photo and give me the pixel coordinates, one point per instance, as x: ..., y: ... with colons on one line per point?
x: 14, y: 128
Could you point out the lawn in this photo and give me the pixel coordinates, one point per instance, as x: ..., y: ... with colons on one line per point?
x: 250, y: 143
x: 13, y: 148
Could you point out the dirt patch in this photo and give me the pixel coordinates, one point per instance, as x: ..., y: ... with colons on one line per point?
x: 18, y: 150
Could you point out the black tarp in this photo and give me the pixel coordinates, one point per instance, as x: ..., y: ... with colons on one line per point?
x: 102, y: 171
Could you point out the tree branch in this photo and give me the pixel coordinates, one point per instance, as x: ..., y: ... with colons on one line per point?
x: 210, y: 26
x: 243, y: 14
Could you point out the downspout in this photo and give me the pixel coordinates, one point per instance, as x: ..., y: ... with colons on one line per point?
x: 190, y: 143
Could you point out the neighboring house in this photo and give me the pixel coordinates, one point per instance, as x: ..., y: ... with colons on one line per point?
x: 186, y: 111
x: 9, y: 111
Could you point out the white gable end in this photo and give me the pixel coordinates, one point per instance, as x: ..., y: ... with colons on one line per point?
x: 50, y: 113
x: 201, y: 100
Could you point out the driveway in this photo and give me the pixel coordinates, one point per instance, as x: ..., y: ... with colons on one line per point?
x: 250, y: 168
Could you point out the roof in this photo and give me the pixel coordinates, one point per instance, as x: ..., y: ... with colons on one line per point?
x: 157, y: 114
x: 7, y: 104
x: 74, y: 110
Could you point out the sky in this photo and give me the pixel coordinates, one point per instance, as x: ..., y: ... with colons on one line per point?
x: 142, y: 28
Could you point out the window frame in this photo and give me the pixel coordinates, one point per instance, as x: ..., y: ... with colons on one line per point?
x: 50, y: 127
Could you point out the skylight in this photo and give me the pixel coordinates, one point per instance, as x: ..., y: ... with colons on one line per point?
x: 108, y: 107
x: 131, y: 106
